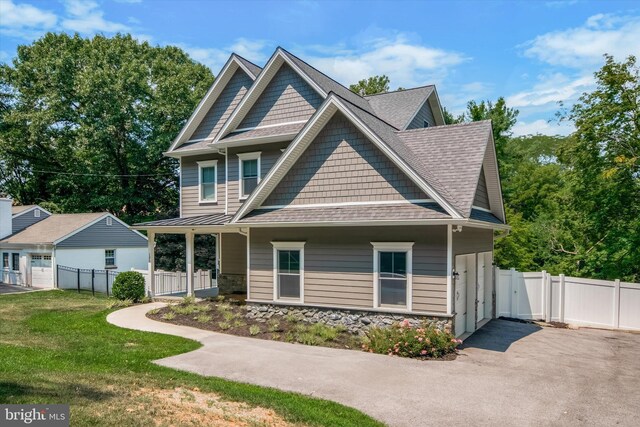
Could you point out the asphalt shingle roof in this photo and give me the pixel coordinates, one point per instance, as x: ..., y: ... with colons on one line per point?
x: 399, y: 107
x: 285, y: 129
x: 52, y: 228
x: 19, y: 209
x: 253, y: 68
x: 454, y: 154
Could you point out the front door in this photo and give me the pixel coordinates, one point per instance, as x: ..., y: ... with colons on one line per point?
x: 460, y: 295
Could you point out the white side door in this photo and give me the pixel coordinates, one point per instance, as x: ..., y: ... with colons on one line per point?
x: 460, y: 295
x: 481, y: 287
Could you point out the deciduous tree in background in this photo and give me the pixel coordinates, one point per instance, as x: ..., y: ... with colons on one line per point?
x: 371, y: 86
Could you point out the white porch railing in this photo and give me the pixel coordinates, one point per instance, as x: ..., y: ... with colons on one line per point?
x: 173, y: 282
x: 572, y: 300
x: 11, y: 277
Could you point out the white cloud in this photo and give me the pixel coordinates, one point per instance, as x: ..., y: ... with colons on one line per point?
x: 22, y: 20
x: 552, y: 89
x: 584, y: 46
x: 543, y: 127
x: 253, y: 50
x: 86, y: 17
x: 406, y: 62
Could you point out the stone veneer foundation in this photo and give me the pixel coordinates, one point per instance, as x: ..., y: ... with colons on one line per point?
x: 355, y: 321
x: 230, y: 283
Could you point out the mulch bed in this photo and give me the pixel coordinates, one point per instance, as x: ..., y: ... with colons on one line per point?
x: 228, y: 316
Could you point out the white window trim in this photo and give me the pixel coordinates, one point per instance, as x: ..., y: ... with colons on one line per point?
x: 392, y: 247
x: 115, y: 259
x: 241, y: 158
x: 287, y: 246
x: 208, y: 164
x: 109, y: 221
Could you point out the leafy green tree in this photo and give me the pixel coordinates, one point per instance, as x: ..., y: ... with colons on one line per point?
x: 502, y: 119
x: 84, y: 123
x: 371, y: 86
x: 450, y: 119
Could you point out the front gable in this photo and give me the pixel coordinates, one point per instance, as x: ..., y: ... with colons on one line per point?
x: 287, y: 98
x: 223, y: 106
x: 481, y: 198
x: 27, y: 218
x: 341, y: 165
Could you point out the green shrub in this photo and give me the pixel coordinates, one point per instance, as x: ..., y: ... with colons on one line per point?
x: 324, y: 332
x: 189, y: 300
x: 169, y: 316
x: 238, y: 323
x: 184, y: 309
x: 223, y: 307
x: 254, y: 330
x: 154, y: 311
x: 400, y: 339
x: 309, y: 338
x: 116, y: 303
x: 229, y: 316
x: 203, y: 318
x: 129, y: 285
x: 274, y: 326
x: 224, y: 325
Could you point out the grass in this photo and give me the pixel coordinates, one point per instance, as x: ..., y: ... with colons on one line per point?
x: 56, y: 347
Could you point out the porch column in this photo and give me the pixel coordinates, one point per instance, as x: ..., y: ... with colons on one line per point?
x: 151, y: 243
x: 189, y: 238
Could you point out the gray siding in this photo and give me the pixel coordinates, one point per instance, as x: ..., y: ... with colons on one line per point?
x: 224, y: 105
x: 189, y: 187
x: 481, y: 198
x: 342, y: 165
x: 233, y: 254
x: 26, y: 219
x: 424, y: 113
x: 101, y: 235
x: 472, y: 240
x: 269, y: 155
x: 286, y: 98
x: 338, y: 264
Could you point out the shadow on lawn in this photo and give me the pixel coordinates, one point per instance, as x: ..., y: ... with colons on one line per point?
x: 51, y: 392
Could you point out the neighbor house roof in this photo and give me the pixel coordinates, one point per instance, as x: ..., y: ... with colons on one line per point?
x: 400, y: 107
x: 19, y: 209
x: 53, y: 228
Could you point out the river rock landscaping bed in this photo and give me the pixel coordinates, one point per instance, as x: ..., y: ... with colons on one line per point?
x: 310, y: 326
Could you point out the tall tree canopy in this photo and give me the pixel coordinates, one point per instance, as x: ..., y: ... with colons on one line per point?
x: 84, y: 122
x: 371, y: 85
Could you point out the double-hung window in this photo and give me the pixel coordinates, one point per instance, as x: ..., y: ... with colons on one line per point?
x: 249, y: 173
x: 207, y: 181
x: 109, y: 257
x: 5, y: 260
x: 392, y: 264
x: 288, y: 269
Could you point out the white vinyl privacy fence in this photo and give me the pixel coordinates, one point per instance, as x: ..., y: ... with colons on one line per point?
x: 572, y: 300
x: 173, y: 282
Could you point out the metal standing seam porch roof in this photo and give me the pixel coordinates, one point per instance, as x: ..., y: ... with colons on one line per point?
x: 201, y: 220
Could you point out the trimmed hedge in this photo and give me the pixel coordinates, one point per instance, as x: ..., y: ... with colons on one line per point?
x: 129, y: 285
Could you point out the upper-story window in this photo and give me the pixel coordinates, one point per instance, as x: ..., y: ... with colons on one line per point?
x: 425, y: 124
x: 207, y: 181
x: 249, y: 173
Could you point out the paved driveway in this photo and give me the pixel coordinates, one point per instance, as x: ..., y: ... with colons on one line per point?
x: 11, y: 289
x: 508, y: 373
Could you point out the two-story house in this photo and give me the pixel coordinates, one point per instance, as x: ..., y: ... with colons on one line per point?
x: 321, y: 197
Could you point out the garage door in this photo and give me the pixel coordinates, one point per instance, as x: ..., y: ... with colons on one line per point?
x: 41, y: 272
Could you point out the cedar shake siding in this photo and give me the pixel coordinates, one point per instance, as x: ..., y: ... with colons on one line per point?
x: 481, y: 198
x: 472, y: 240
x: 338, y: 264
x: 101, y: 235
x: 287, y: 98
x: 342, y: 165
x: 190, y: 199
x: 424, y: 114
x: 233, y: 250
x: 224, y: 105
x: 24, y: 220
x: 269, y: 155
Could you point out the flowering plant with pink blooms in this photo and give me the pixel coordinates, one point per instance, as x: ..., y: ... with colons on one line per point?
x: 402, y: 339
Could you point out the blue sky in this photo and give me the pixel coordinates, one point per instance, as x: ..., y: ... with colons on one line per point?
x: 534, y: 53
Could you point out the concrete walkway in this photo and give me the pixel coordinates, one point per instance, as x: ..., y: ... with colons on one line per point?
x: 508, y: 373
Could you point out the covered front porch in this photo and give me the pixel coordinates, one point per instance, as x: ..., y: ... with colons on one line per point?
x: 229, y: 271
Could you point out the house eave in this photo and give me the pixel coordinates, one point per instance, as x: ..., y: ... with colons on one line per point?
x: 461, y: 222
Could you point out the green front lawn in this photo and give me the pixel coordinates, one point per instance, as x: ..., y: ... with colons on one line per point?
x: 57, y: 347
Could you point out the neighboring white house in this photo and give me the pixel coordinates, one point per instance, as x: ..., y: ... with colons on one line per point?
x: 33, y: 242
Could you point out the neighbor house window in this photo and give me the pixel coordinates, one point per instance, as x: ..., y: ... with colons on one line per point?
x: 392, y: 274
x: 15, y: 262
x: 5, y: 260
x: 207, y: 180
x: 249, y: 173
x: 110, y: 258
x: 288, y: 268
